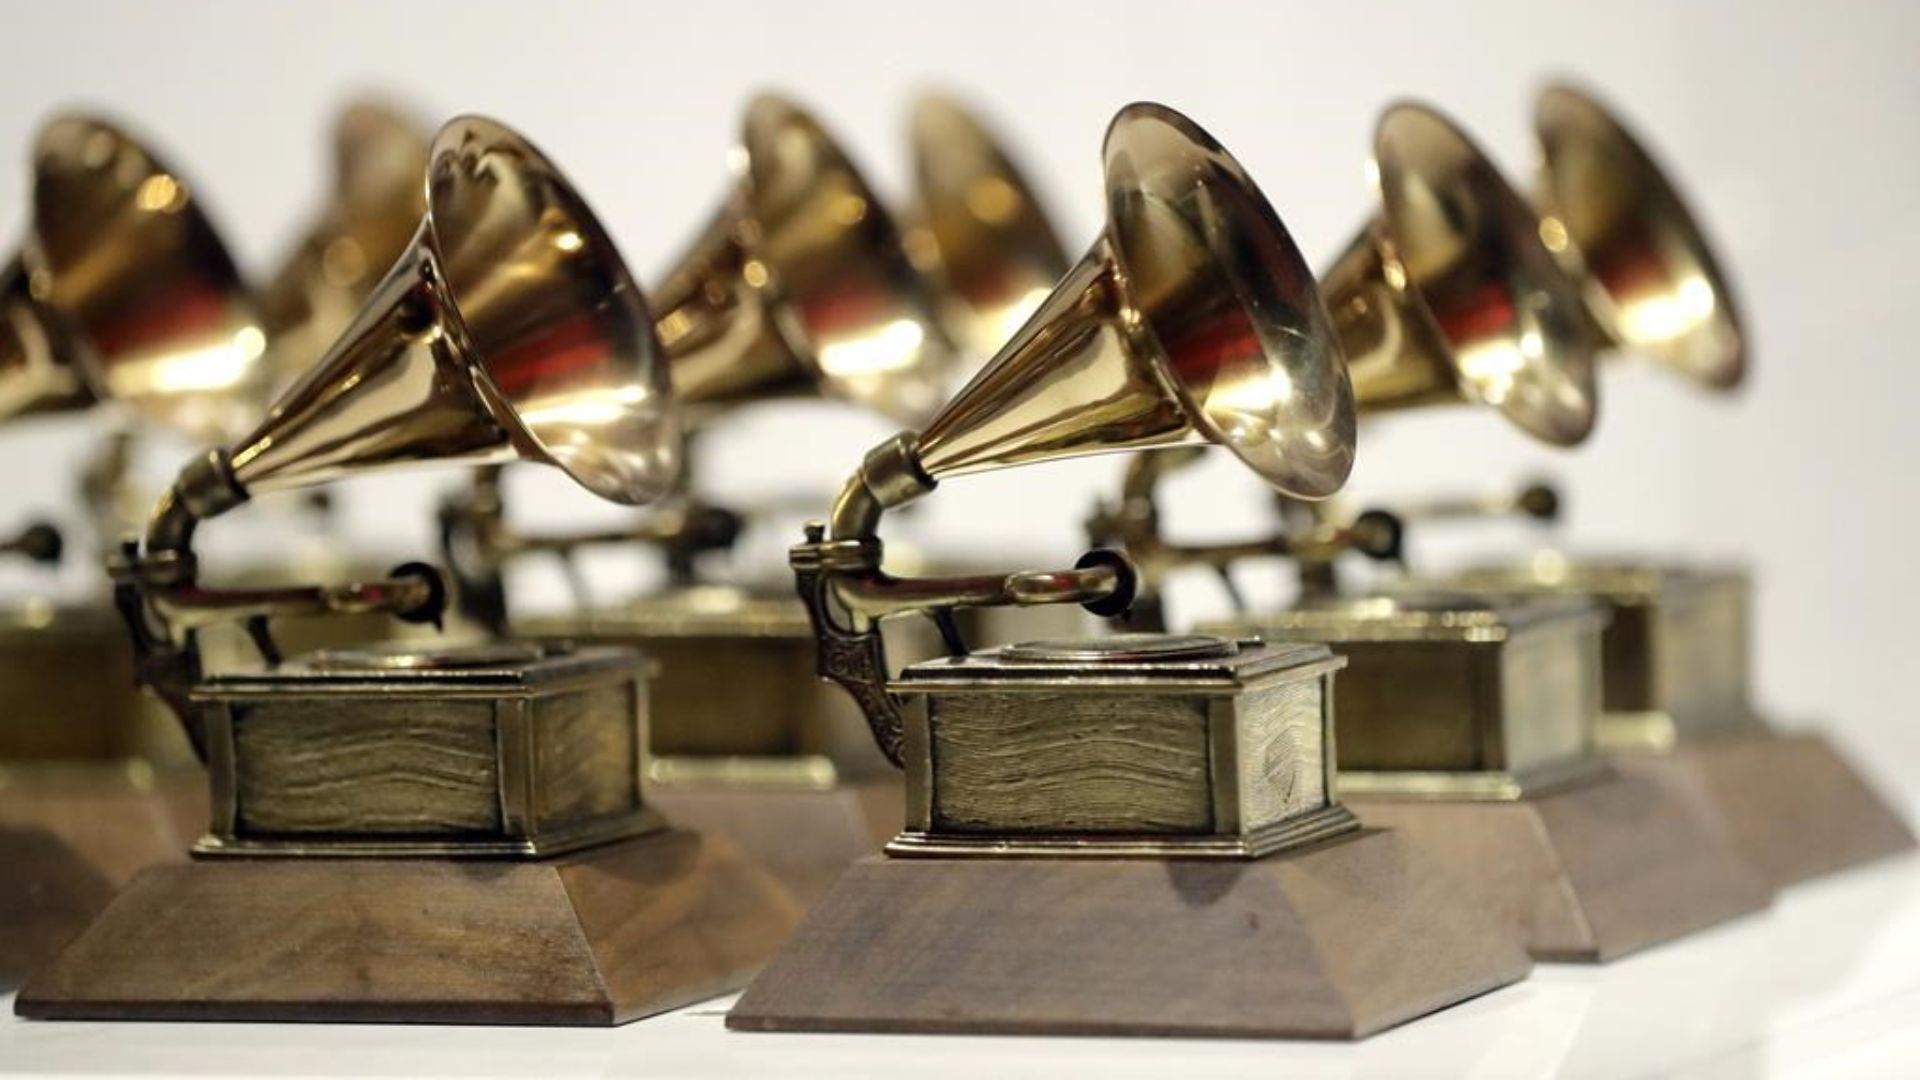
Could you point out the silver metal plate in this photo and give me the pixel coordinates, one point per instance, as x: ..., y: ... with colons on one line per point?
x: 405, y: 656
x: 1121, y: 648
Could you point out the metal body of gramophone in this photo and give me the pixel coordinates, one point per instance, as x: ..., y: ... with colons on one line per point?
x: 121, y: 303
x: 440, y: 832
x: 1470, y: 724
x: 801, y: 287
x: 1133, y: 834
x: 1676, y: 682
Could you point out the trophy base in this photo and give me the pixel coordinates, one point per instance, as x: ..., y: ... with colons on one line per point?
x: 70, y: 836
x: 593, y: 938
x: 1793, y: 806
x: 1335, y: 941
x: 1589, y: 872
x: 805, y: 838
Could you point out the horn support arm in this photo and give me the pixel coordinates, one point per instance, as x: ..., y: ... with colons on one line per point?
x: 846, y: 593
x: 158, y: 594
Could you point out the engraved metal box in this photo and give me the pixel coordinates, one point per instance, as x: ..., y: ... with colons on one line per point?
x: 1675, y: 655
x: 1449, y: 696
x: 1137, y: 744
x: 509, y: 750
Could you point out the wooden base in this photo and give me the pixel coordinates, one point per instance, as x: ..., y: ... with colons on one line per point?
x: 1590, y: 872
x: 70, y: 836
x: 807, y: 839
x: 598, y: 937
x: 1792, y: 804
x: 1335, y: 941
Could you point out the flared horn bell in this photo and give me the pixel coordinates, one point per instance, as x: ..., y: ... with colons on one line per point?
x: 1648, y: 272
x: 1193, y: 319
x: 976, y: 230
x: 373, y: 207
x: 801, y: 286
x: 1449, y: 294
x: 509, y: 329
x: 123, y: 291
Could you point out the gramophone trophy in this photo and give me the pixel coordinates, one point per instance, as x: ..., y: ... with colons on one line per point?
x: 433, y: 832
x: 1676, y: 670
x: 1134, y: 834
x: 800, y: 287
x: 1469, y: 721
x: 123, y: 304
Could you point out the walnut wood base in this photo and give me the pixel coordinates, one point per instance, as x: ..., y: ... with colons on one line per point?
x: 1792, y: 804
x: 807, y: 839
x: 70, y: 836
x: 1591, y: 872
x: 592, y: 938
x: 1335, y: 941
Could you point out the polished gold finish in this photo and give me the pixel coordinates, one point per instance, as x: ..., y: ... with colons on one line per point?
x: 1454, y: 696
x: 509, y: 330
x: 373, y: 208
x: 801, y: 284
x: 1192, y: 319
x: 1647, y: 271
x: 976, y: 229
x: 1450, y: 294
x: 122, y: 291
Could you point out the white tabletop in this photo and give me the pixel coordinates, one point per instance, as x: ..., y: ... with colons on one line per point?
x: 1827, y: 983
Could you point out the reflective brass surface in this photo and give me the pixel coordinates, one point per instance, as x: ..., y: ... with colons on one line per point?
x: 510, y: 329
x: 1449, y: 293
x: 1647, y: 270
x: 374, y: 205
x: 1454, y: 696
x: 122, y: 291
x: 976, y: 229
x: 1193, y: 319
x: 801, y: 284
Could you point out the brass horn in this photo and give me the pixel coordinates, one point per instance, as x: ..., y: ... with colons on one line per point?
x: 801, y: 285
x: 373, y: 208
x: 1647, y: 270
x: 122, y: 291
x: 1449, y: 293
x: 1192, y: 319
x: 975, y: 229
x: 509, y: 329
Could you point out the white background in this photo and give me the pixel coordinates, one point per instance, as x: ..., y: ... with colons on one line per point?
x: 1793, y: 126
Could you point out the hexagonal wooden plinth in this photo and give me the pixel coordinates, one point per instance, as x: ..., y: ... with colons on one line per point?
x: 806, y: 838
x: 598, y: 937
x: 70, y: 836
x: 1334, y: 941
x: 1593, y: 871
x: 1793, y: 805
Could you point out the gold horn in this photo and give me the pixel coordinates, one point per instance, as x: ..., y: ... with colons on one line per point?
x: 1648, y: 272
x: 372, y: 210
x: 123, y: 291
x: 509, y: 329
x: 976, y: 230
x: 1192, y: 319
x: 801, y: 285
x: 1449, y: 293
